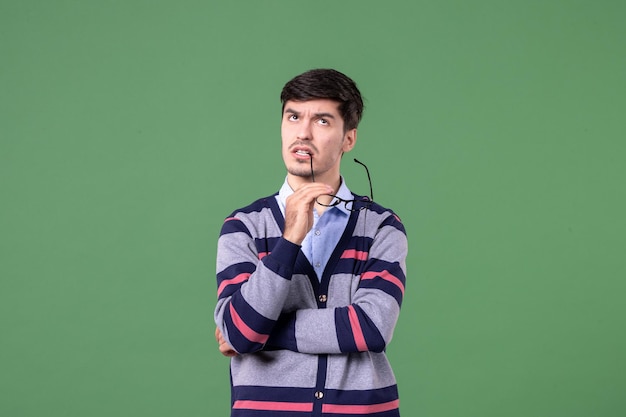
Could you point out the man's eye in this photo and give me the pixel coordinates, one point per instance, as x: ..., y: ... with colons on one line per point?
x: 323, y: 122
x: 293, y: 117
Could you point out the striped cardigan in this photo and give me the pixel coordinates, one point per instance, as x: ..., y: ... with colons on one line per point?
x: 309, y: 346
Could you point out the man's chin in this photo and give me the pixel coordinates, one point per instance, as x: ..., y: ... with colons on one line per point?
x: 300, y: 170
x: 299, y: 173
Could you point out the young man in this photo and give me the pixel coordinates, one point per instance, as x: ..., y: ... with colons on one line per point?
x: 311, y: 279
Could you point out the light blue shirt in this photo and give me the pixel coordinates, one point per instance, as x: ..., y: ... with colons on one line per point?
x: 327, y: 229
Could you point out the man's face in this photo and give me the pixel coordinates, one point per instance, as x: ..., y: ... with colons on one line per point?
x: 314, y: 129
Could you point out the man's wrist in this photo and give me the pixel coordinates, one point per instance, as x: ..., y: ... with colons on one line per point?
x: 292, y: 239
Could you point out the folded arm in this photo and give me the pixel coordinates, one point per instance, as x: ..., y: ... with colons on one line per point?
x: 368, y: 322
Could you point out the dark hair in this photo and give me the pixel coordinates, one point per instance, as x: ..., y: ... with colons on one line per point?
x: 327, y: 84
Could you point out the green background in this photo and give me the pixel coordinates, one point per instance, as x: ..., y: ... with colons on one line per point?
x: 130, y: 129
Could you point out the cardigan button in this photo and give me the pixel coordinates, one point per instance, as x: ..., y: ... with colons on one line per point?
x: 323, y: 298
x: 319, y: 395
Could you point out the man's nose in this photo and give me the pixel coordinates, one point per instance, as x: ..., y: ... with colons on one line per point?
x: 304, y: 131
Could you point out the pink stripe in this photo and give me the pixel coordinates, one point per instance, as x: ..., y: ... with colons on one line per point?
x: 273, y: 406
x: 357, y: 332
x: 263, y: 255
x: 230, y: 218
x: 360, y: 409
x: 355, y: 254
x: 386, y: 275
x: 248, y: 333
x: 237, y: 280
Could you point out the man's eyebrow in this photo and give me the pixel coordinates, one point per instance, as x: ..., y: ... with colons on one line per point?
x: 317, y: 115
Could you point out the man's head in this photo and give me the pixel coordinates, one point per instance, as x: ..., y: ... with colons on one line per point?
x: 321, y: 110
x: 327, y: 84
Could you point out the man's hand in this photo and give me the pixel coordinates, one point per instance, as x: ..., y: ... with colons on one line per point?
x: 225, y: 348
x: 299, y: 210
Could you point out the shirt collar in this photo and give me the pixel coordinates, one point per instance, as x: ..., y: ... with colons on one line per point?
x: 344, y: 193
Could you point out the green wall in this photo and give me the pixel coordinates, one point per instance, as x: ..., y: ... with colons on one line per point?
x: 130, y: 129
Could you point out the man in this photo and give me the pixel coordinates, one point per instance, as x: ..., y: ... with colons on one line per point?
x: 311, y: 279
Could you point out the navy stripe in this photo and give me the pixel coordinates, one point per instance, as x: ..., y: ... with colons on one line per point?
x: 283, y: 334
x: 304, y: 267
x: 231, y: 272
x: 350, y: 266
x: 234, y: 225
x: 344, y: 330
x: 235, y: 269
x: 237, y: 339
x: 362, y: 397
x: 253, y: 319
x: 265, y: 244
x: 378, y: 265
x: 282, y: 259
x: 261, y: 393
x: 385, y: 286
x: 393, y: 221
x: 303, y: 395
x: 373, y: 338
x: 278, y: 215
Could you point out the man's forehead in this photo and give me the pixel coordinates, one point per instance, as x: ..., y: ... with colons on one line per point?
x: 315, y: 106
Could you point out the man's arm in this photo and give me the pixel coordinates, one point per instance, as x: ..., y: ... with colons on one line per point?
x: 251, y: 290
x: 366, y: 324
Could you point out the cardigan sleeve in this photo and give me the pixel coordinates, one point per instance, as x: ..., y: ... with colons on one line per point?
x: 252, y: 285
x: 368, y: 322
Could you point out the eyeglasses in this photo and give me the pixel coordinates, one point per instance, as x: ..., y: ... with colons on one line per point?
x: 350, y: 205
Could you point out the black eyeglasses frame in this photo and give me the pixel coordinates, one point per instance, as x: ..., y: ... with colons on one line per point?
x: 338, y: 200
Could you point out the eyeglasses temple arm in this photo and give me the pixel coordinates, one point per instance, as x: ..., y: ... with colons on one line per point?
x: 369, y: 179
x: 312, y: 174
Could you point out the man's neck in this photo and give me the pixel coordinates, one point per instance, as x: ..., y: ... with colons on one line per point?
x: 295, y: 182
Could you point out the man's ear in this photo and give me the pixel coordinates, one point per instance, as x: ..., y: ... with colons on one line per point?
x: 349, y: 140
